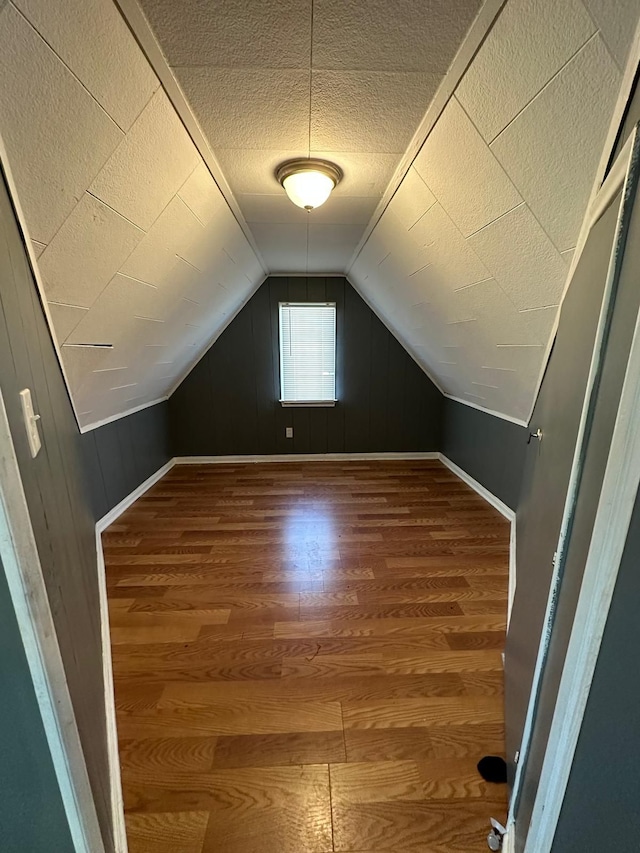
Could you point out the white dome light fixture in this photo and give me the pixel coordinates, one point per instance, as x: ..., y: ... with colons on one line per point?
x: 308, y: 182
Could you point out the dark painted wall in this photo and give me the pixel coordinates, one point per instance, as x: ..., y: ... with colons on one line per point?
x: 597, y: 451
x: 55, y: 488
x: 73, y: 481
x: 229, y: 403
x: 490, y: 449
x: 601, y: 809
x: 32, y: 816
x: 121, y: 455
x: 558, y: 412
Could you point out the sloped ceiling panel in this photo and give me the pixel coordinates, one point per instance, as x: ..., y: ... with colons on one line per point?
x: 136, y: 246
x: 469, y: 261
x: 337, y: 79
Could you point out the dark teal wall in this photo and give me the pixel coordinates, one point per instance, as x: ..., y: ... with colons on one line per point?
x: 121, y: 455
x: 72, y: 482
x: 601, y: 809
x: 490, y: 449
x: 229, y: 403
x: 32, y: 816
x: 57, y: 496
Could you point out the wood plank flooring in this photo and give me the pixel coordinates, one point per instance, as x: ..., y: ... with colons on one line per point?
x: 307, y: 658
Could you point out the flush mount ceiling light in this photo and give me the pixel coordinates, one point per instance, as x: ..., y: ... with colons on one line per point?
x: 308, y: 182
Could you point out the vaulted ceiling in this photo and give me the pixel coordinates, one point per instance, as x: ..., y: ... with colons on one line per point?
x: 345, y: 81
x: 469, y: 137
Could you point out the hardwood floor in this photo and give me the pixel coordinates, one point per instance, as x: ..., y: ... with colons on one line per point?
x: 307, y: 658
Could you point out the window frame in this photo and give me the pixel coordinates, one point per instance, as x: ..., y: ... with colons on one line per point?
x: 312, y: 404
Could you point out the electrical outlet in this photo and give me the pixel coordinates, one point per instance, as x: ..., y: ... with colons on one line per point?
x: 288, y: 432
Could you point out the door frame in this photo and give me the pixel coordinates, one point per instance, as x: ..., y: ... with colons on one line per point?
x: 613, y: 516
x: 603, y: 190
x: 620, y: 485
x: 27, y: 589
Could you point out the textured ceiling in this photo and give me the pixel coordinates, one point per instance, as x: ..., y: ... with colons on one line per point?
x: 138, y: 248
x: 136, y: 245
x: 469, y: 261
x: 346, y: 80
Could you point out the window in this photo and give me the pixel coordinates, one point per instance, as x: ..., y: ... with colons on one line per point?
x: 307, y: 354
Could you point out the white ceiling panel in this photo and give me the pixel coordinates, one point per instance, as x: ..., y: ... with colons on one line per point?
x: 249, y: 107
x: 201, y: 195
x: 551, y: 150
x: 539, y: 323
x: 617, y: 24
x: 331, y: 244
x: 368, y: 110
x: 38, y: 248
x: 120, y: 79
x: 370, y: 36
x: 149, y: 166
x: 284, y: 247
x: 232, y: 33
x: 129, y: 226
x: 252, y: 171
x: 57, y: 136
x: 272, y: 208
x: 87, y: 251
x: 80, y: 362
x: 463, y: 174
x: 365, y: 174
x: 467, y: 263
x: 112, y: 316
x: 412, y: 200
x: 535, y: 37
x: 452, y: 260
x: 522, y: 259
x: 242, y: 255
x: 338, y: 210
x: 65, y: 319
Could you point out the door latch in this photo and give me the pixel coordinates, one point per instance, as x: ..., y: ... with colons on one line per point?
x: 537, y: 434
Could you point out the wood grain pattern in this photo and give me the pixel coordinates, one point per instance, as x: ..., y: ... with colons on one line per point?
x: 307, y: 658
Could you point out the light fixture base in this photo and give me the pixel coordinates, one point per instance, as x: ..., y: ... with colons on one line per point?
x: 309, y: 164
x: 290, y: 175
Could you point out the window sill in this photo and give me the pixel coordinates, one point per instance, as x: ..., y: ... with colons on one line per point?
x: 308, y: 404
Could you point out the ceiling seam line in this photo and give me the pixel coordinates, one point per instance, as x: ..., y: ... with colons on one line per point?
x: 520, y: 204
x: 112, y: 209
x: 147, y: 42
x: 454, y: 89
x: 62, y: 62
x: 310, y: 89
x: 548, y: 83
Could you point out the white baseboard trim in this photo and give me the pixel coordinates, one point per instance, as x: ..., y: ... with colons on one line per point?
x: 495, y: 502
x: 125, y: 503
x: 504, y: 510
x: 301, y: 457
x: 115, y: 778
x: 113, y: 753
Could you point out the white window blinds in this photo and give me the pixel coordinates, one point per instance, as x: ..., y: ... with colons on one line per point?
x: 307, y: 352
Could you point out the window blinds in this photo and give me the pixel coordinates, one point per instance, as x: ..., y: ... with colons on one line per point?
x: 307, y: 352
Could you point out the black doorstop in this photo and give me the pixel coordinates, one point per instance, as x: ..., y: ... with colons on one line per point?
x: 492, y: 768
